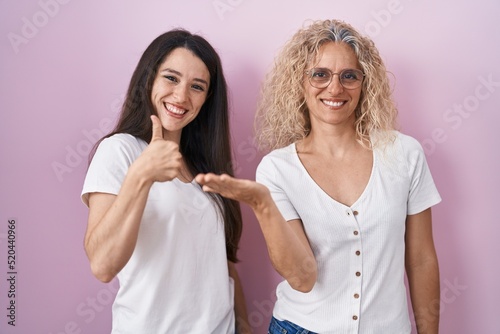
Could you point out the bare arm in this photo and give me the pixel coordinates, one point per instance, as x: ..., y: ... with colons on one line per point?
x: 423, y: 272
x: 113, y: 227
x: 240, y: 308
x: 114, y: 220
x: 287, y: 244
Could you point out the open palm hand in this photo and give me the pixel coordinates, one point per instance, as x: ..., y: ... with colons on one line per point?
x: 246, y: 191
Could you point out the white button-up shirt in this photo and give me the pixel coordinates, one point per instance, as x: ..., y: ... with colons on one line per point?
x: 359, y: 250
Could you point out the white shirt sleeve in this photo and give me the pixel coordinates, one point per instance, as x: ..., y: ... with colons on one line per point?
x: 423, y: 192
x: 270, y: 173
x: 110, y: 164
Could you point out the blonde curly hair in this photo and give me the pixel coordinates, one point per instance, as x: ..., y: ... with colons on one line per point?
x: 282, y: 115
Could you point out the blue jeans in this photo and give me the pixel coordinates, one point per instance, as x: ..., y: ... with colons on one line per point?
x: 286, y: 327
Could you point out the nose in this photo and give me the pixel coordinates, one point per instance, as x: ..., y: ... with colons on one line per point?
x: 335, y: 87
x: 180, y: 93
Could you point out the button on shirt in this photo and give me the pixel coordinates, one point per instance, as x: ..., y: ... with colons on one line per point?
x: 360, y: 249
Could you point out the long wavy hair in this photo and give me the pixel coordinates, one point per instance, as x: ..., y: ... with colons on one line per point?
x: 282, y: 115
x: 205, y: 142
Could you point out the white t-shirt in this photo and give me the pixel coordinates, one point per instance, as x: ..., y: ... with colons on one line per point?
x: 177, y: 279
x: 360, y: 250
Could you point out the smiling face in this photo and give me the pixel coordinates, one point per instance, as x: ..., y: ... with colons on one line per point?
x: 179, y: 91
x: 333, y: 104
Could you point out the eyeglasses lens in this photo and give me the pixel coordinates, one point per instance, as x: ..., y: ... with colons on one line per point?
x: 349, y: 78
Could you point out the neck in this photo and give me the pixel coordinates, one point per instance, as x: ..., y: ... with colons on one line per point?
x: 337, y: 142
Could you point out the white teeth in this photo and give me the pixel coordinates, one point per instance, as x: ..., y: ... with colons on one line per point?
x: 332, y: 103
x: 174, y: 110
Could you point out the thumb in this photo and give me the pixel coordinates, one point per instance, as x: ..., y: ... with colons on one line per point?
x: 157, y: 128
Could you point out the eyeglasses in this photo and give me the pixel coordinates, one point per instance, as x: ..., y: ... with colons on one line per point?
x: 349, y: 78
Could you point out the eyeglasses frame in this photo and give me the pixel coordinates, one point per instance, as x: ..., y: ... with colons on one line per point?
x: 332, y: 74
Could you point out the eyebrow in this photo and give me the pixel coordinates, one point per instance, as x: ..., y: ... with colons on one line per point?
x: 180, y: 74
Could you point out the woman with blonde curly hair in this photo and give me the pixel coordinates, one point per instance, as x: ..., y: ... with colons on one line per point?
x: 283, y: 115
x: 343, y: 200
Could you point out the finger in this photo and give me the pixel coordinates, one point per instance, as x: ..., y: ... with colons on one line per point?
x: 226, y: 178
x: 208, y: 182
x: 206, y: 178
x: 200, y: 178
x: 157, y: 128
x: 208, y: 189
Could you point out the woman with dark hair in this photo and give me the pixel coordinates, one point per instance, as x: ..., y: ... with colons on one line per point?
x: 171, y: 246
x: 344, y: 199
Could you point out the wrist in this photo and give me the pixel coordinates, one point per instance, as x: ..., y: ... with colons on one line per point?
x: 138, y: 175
x: 262, y: 203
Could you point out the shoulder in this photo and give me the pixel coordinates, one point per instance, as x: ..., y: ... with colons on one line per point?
x: 401, y: 153
x: 411, y: 149
x: 279, y: 156
x: 121, y: 147
x: 123, y: 139
x: 410, y: 153
x: 408, y: 143
x: 281, y: 153
x: 123, y: 142
x: 397, y: 143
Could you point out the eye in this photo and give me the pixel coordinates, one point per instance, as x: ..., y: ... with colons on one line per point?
x: 198, y: 88
x: 351, y: 75
x: 319, y: 74
x: 171, y: 78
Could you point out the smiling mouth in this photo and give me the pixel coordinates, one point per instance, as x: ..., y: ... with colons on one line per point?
x: 334, y: 104
x: 174, y: 110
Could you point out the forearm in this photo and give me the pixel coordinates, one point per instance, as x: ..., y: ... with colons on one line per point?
x: 111, y: 240
x: 288, y: 246
x: 425, y: 296
x: 291, y: 257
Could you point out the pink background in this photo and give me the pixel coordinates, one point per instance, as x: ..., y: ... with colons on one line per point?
x: 65, y: 65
